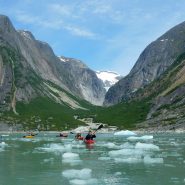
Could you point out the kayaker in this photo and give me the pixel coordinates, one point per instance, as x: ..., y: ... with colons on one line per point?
x: 63, y: 134
x: 79, y: 136
x: 90, y: 135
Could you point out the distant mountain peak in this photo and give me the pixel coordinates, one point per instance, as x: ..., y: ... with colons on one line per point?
x: 109, y: 78
x: 72, y: 60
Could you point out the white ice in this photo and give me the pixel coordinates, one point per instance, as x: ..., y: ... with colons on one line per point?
x: 91, y: 181
x: 134, y: 138
x: 145, y: 146
x: 83, y: 174
x: 48, y: 160
x: 71, y: 158
x: 104, y: 158
x: 141, y: 152
x: 128, y: 160
x: 125, y: 153
x: 125, y: 133
x: 149, y: 160
x: 56, y: 148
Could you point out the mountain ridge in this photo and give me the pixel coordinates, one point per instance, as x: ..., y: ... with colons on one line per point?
x: 153, y: 61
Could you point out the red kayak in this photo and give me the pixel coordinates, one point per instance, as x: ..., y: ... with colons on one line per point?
x: 89, y: 141
x: 80, y: 138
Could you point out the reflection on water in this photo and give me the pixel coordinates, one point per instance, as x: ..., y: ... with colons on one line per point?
x: 113, y: 159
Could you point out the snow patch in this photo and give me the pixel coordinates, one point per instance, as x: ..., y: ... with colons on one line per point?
x: 109, y: 78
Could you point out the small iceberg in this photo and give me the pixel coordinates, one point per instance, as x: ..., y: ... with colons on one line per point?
x: 146, y: 137
x: 71, y: 158
x: 80, y: 174
x: 125, y: 133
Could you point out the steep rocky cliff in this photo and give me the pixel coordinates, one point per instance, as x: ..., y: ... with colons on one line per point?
x: 28, y: 67
x: 153, y: 62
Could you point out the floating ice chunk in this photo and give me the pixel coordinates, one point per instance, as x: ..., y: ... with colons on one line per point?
x: 83, y: 182
x: 126, y: 153
x: 117, y: 173
x: 110, y: 145
x: 48, y: 160
x: 5, y: 135
x: 3, y: 143
x: 104, y: 158
x: 125, y: 133
x: 56, y: 148
x: 81, y: 174
x: 128, y: 160
x: 126, y: 145
x: 145, y: 146
x: 149, y: 160
x: 71, y: 158
x: 133, y: 138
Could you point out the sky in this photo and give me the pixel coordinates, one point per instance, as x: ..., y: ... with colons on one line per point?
x: 104, y: 34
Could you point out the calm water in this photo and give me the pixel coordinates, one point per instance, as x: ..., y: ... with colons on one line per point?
x: 115, y: 160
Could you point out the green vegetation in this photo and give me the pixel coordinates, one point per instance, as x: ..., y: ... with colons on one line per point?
x: 124, y: 115
x: 46, y: 113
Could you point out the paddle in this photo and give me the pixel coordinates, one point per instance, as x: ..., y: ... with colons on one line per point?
x: 100, y: 126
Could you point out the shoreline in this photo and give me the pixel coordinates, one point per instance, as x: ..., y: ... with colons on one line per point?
x: 100, y: 132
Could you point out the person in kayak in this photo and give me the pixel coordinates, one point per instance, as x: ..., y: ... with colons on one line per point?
x: 90, y: 135
x: 79, y: 136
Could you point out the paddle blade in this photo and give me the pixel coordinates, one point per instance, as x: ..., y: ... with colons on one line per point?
x: 101, y: 126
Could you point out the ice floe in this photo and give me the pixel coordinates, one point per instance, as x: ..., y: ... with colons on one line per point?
x: 149, y: 160
x: 80, y: 177
x: 55, y: 148
x: 145, y: 146
x: 124, y: 133
x: 50, y: 160
x: 80, y: 174
x: 91, y: 181
x: 104, y: 158
x: 117, y: 173
x: 141, y: 152
x: 134, y: 138
x: 71, y: 158
x: 128, y: 160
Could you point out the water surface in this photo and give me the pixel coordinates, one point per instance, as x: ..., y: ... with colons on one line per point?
x: 115, y: 160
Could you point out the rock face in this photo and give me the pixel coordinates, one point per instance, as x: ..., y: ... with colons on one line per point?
x: 153, y: 62
x: 167, y: 98
x: 82, y: 80
x: 28, y: 67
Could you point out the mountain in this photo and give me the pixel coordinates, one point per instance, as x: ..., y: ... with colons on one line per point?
x: 109, y: 78
x: 31, y: 73
x: 151, y: 64
x: 167, y: 98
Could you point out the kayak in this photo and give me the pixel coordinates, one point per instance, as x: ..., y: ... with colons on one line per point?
x: 62, y: 136
x: 80, y: 138
x: 28, y: 136
x: 89, y: 141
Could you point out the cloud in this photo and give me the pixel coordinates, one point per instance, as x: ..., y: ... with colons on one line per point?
x: 80, y: 32
x: 56, y: 24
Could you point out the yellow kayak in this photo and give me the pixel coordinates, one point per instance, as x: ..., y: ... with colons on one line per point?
x: 28, y: 136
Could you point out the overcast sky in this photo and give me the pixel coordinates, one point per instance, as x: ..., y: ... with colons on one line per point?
x: 104, y: 34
